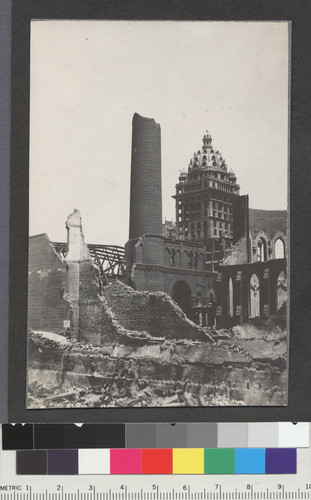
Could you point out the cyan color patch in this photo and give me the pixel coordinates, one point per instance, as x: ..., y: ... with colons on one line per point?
x: 250, y: 461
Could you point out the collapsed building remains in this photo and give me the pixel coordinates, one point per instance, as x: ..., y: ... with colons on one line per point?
x: 189, y: 314
x: 106, y: 344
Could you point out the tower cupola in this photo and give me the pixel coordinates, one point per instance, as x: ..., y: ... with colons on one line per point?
x: 207, y: 140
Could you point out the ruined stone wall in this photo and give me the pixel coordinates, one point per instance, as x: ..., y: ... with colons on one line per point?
x: 154, y: 313
x: 92, y: 317
x: 97, y: 323
x: 238, y: 255
x: 66, y: 289
x: 47, y: 308
x: 267, y: 273
x: 155, y: 263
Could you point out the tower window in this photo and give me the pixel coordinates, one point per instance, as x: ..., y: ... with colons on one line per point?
x: 279, y: 249
x: 261, y: 250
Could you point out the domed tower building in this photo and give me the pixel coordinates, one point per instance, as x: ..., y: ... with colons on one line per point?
x: 204, y: 202
x: 157, y: 259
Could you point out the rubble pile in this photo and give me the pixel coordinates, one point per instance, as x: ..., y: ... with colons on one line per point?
x: 138, y: 393
x: 148, y: 371
x: 143, y: 357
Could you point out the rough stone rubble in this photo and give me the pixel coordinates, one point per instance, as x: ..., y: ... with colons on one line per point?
x: 246, y: 365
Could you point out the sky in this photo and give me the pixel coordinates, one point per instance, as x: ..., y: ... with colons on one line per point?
x: 87, y: 80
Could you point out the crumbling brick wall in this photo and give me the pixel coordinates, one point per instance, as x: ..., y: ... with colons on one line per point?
x: 51, y: 301
x: 47, y: 309
x: 97, y: 324
x: 155, y: 313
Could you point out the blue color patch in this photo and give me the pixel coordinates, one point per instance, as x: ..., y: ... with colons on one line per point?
x: 250, y: 460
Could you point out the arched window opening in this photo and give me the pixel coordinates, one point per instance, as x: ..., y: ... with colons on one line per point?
x: 196, y: 260
x: 184, y: 259
x: 279, y: 249
x: 261, y: 250
x: 281, y: 290
x: 167, y: 257
x: 172, y: 258
x: 181, y: 293
x: 199, y: 299
x: 230, y: 302
x: 254, y: 297
x: 190, y: 261
x: 177, y: 258
x: 139, y: 253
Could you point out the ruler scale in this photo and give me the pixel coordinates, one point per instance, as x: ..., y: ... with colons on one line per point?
x: 172, y: 494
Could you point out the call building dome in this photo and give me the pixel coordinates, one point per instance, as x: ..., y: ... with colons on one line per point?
x: 204, y: 196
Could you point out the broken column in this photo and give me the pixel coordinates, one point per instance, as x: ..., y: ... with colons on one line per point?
x: 78, y: 256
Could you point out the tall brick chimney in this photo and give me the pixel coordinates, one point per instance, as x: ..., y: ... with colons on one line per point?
x: 146, y: 192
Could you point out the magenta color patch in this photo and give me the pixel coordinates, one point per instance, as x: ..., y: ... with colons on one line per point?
x: 126, y: 461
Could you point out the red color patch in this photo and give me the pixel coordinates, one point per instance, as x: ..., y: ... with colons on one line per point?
x: 157, y: 461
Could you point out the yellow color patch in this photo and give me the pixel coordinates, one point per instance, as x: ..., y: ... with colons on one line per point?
x: 188, y: 461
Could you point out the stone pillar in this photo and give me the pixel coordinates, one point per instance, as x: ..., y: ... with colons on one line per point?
x: 77, y: 255
x: 146, y: 192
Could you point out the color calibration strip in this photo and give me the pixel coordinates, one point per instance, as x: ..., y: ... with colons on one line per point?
x: 155, y: 435
x: 158, y: 461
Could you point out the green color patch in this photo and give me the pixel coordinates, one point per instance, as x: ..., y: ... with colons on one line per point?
x: 219, y: 461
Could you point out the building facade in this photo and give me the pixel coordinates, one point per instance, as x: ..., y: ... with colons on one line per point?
x: 220, y: 256
x: 204, y: 196
x: 252, y: 279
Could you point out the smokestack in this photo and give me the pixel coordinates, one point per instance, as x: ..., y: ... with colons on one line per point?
x: 146, y: 191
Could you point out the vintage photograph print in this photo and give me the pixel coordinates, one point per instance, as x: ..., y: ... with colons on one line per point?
x: 158, y: 214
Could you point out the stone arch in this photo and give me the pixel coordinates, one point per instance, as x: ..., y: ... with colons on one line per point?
x: 262, y: 250
x: 230, y: 298
x: 139, y: 251
x: 279, y: 248
x: 184, y: 262
x: 254, y: 296
x: 196, y: 260
x: 281, y: 290
x: 261, y: 243
x: 202, y: 262
x: 181, y: 293
x: 190, y: 260
x: 279, y: 236
x: 199, y: 299
x: 172, y: 259
x: 167, y: 257
x: 178, y: 258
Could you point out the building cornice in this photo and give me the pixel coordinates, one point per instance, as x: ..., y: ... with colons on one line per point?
x: 170, y: 270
